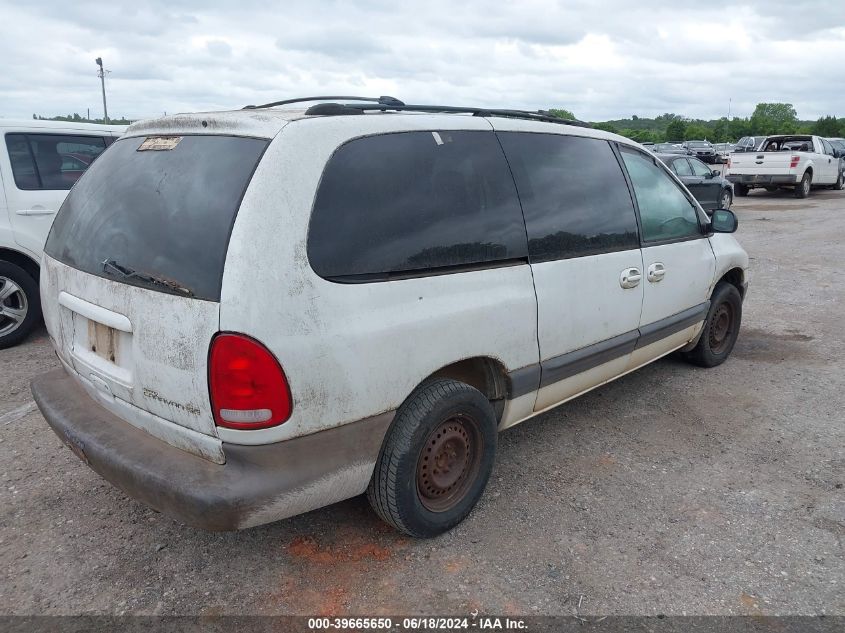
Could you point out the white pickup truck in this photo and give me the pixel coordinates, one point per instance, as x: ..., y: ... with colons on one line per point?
x: 797, y: 161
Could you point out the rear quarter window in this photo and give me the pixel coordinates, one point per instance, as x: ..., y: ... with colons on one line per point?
x: 157, y: 218
x: 415, y: 203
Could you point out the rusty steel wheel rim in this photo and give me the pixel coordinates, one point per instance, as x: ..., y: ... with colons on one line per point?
x: 721, y: 328
x: 448, y: 463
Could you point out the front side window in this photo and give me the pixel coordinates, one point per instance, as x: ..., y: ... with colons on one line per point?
x: 412, y: 204
x: 665, y: 212
x: 681, y: 167
x: 828, y: 148
x: 699, y: 168
x: 51, y: 161
x: 573, y: 194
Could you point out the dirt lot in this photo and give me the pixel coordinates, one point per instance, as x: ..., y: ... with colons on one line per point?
x: 673, y: 490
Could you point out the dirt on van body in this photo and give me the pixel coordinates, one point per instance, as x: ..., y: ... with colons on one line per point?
x: 673, y: 490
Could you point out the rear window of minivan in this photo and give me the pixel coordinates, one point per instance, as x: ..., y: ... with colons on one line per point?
x: 157, y: 212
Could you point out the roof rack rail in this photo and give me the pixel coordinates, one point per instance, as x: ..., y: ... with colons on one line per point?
x: 383, y: 100
x: 539, y: 115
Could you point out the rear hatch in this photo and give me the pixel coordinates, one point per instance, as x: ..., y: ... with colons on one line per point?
x: 761, y: 163
x: 132, y: 273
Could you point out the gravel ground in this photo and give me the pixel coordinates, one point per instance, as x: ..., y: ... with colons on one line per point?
x: 673, y: 490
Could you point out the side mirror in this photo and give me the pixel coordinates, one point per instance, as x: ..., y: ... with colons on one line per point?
x: 723, y: 221
x: 715, y: 173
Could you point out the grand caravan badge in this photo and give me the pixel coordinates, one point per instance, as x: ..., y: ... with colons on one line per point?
x: 159, y: 143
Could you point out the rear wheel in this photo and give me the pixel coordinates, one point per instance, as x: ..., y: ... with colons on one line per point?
x: 741, y: 190
x: 726, y: 199
x: 20, y: 305
x: 720, y: 328
x: 802, y: 189
x: 436, y: 459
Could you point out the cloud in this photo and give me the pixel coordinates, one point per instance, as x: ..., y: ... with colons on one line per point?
x: 601, y: 62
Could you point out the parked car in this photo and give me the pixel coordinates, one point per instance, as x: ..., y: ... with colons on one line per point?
x: 748, y: 143
x: 40, y: 162
x: 702, y: 150
x: 432, y: 279
x: 839, y: 146
x: 723, y: 150
x: 669, y: 148
x: 796, y: 161
x: 706, y: 184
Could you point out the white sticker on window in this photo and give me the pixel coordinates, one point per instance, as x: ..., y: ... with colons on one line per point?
x: 437, y: 138
x: 159, y: 143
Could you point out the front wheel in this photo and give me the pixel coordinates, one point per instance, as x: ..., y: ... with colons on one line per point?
x: 802, y: 189
x: 20, y: 304
x: 839, y: 185
x: 436, y: 459
x: 720, y: 328
x: 726, y: 199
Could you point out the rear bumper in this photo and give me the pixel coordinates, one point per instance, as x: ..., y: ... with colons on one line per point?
x: 762, y: 179
x: 256, y: 485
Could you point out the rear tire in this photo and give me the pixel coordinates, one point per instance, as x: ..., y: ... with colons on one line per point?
x: 20, y: 304
x: 436, y: 459
x: 802, y: 189
x: 741, y: 190
x: 721, y: 327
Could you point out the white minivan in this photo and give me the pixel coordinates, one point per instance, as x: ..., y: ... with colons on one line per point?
x: 39, y: 162
x: 265, y: 311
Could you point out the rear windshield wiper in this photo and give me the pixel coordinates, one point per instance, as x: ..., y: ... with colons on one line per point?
x: 111, y: 266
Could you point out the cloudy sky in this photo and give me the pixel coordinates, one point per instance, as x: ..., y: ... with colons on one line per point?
x: 601, y: 60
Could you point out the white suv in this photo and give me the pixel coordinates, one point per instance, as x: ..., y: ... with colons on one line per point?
x: 266, y: 311
x: 39, y: 162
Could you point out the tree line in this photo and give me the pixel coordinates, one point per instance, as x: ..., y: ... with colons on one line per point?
x: 76, y: 118
x: 767, y: 118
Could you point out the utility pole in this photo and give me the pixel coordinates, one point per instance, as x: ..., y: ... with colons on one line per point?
x: 102, y: 74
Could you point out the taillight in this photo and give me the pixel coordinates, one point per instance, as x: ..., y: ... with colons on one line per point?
x: 793, y: 162
x: 248, y: 388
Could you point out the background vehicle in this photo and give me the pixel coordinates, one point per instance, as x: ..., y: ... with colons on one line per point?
x: 388, y: 365
x: 39, y: 162
x: 707, y: 185
x: 748, y: 143
x: 723, y: 150
x: 797, y: 161
x: 668, y: 148
x: 839, y: 145
x: 702, y: 150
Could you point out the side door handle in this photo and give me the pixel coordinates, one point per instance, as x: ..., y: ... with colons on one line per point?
x: 630, y: 278
x: 656, y: 272
x: 35, y: 212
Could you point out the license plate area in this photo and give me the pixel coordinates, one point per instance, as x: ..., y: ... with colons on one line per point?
x: 99, y: 345
x: 104, y: 341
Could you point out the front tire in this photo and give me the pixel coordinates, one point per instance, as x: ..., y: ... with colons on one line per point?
x: 802, y: 189
x: 839, y: 185
x: 741, y: 190
x: 436, y: 459
x: 20, y: 304
x: 721, y: 328
x: 726, y: 199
